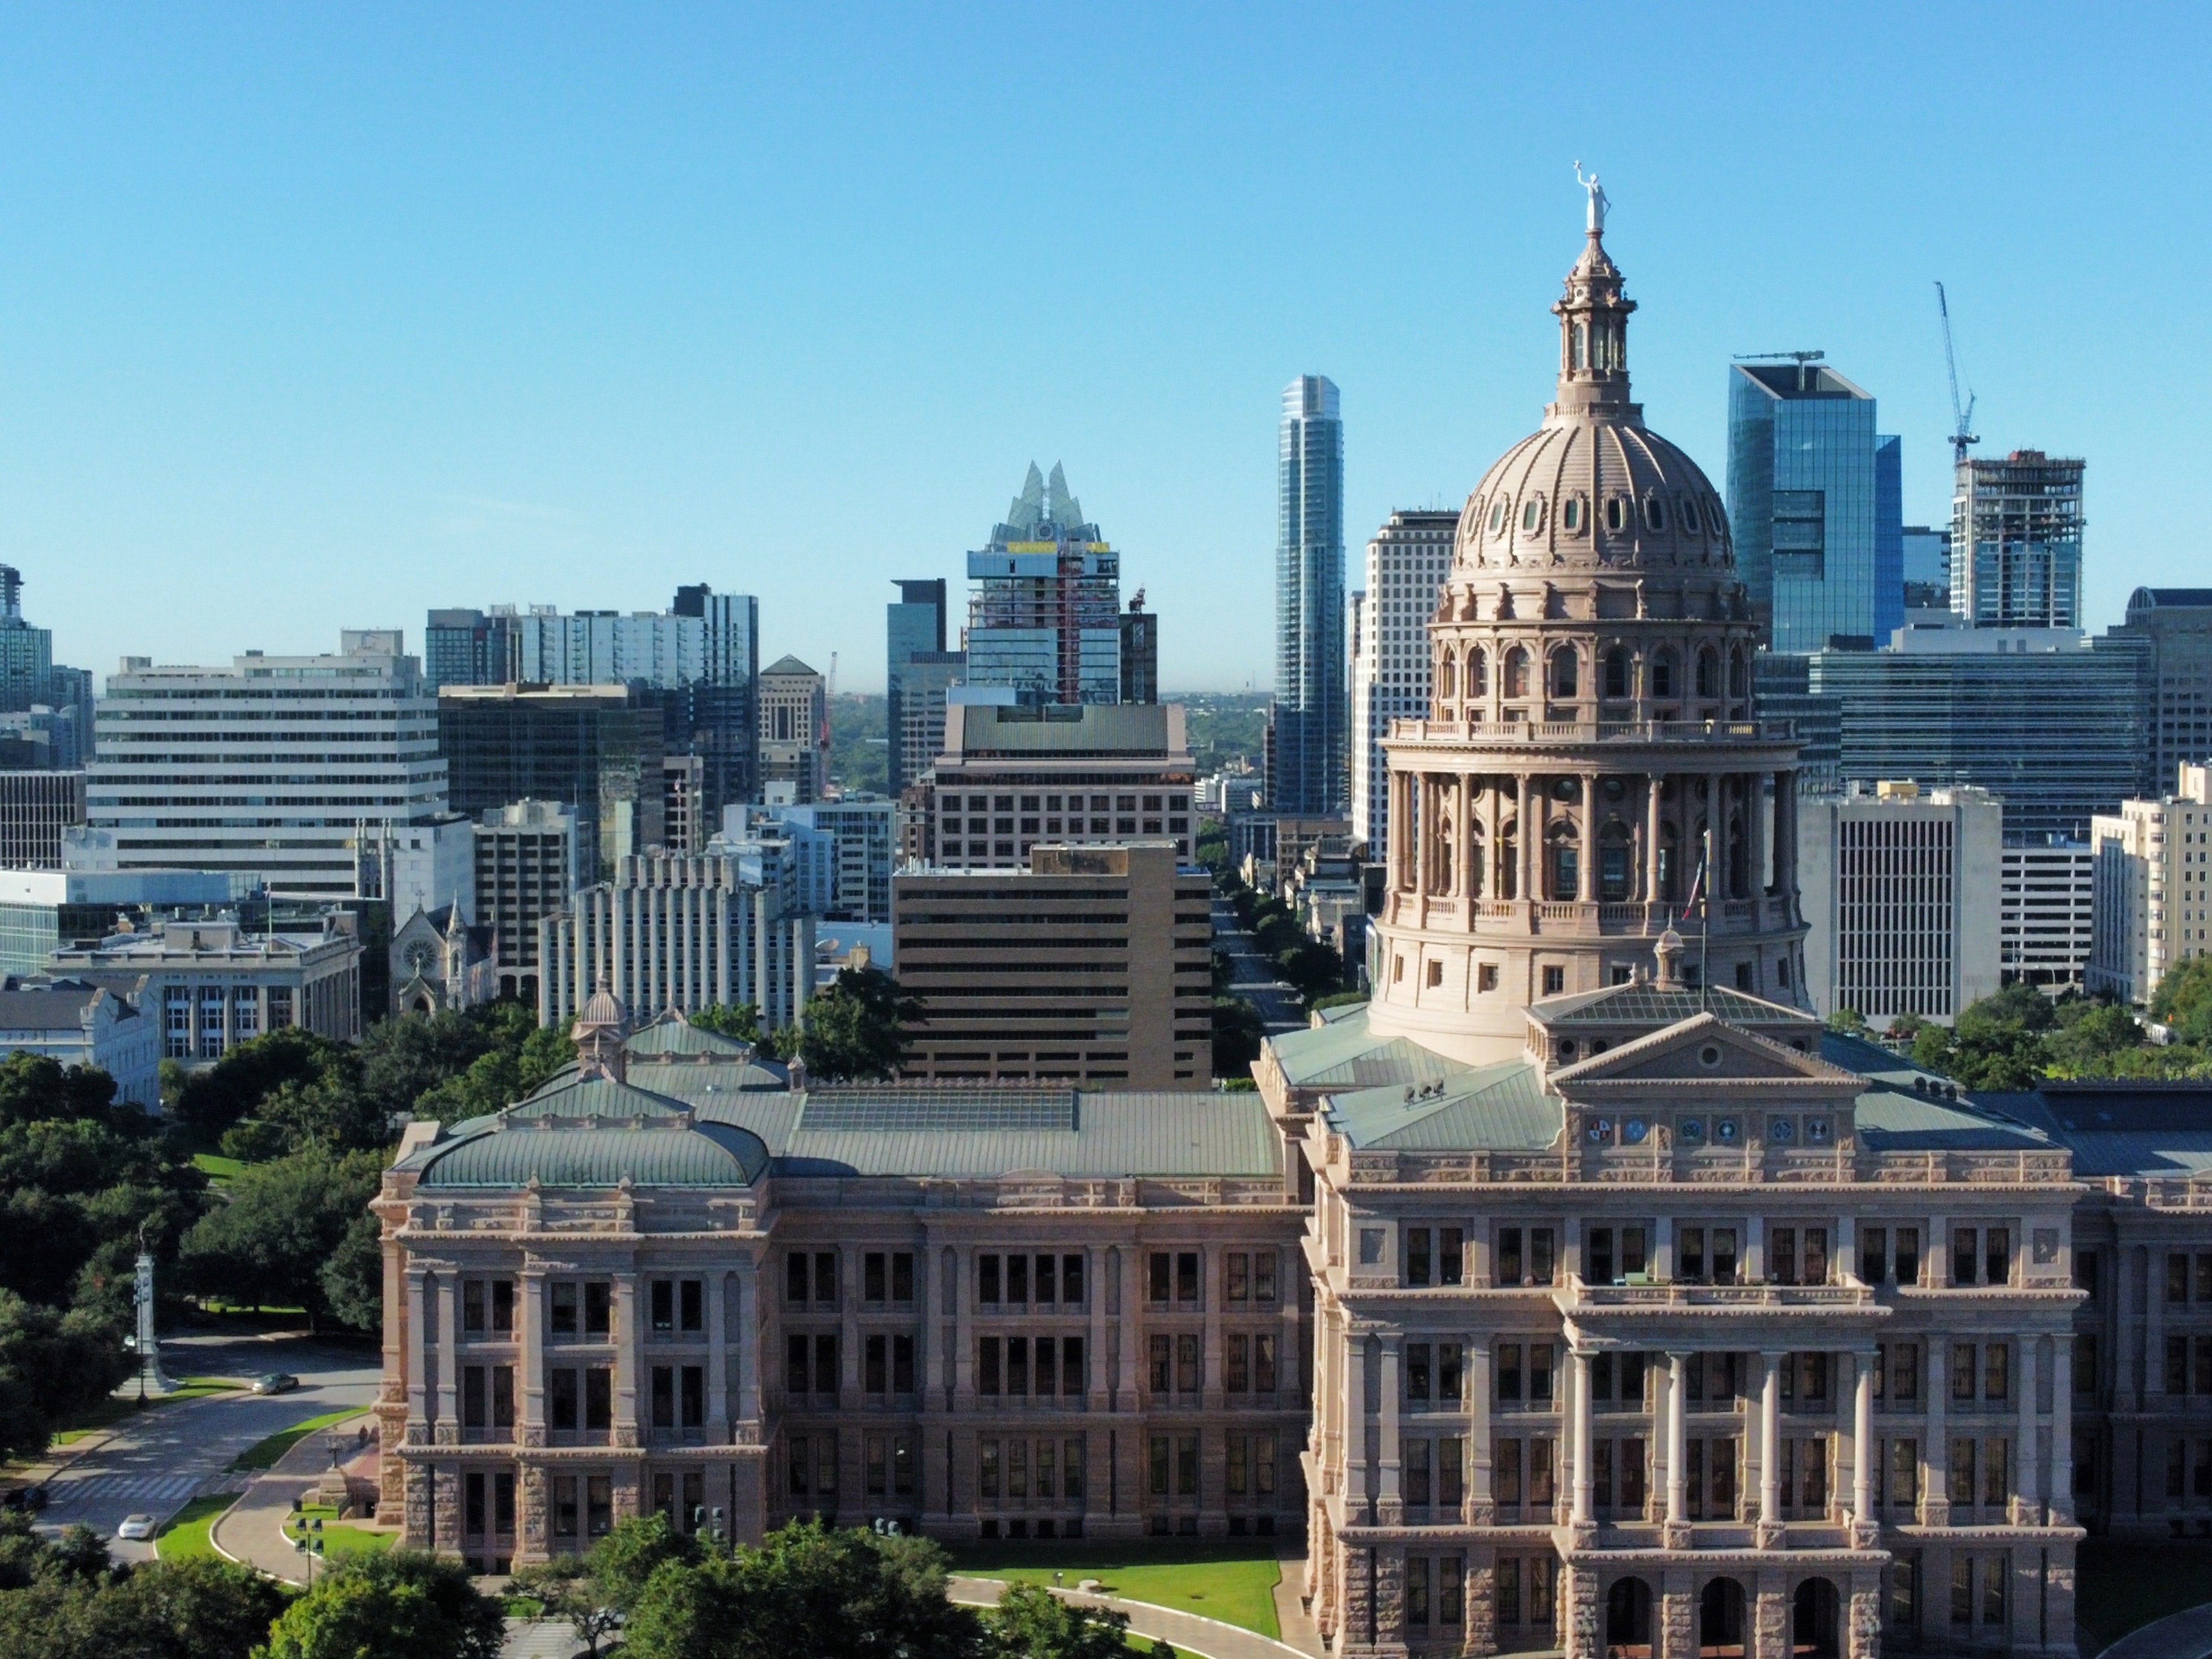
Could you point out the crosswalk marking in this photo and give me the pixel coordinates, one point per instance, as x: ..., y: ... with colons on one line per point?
x: 98, y: 1488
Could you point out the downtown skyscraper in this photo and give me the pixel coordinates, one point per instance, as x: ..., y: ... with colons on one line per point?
x: 1309, y: 728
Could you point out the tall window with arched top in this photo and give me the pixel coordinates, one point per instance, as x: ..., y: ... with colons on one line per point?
x: 1662, y: 675
x: 1475, y: 860
x: 1563, y: 676
x: 1567, y: 865
x: 1517, y: 672
x: 1739, y: 673
x: 1616, y: 672
x: 1445, y: 677
x: 1581, y: 359
x: 1613, y: 866
x: 1478, y: 672
x: 1709, y: 672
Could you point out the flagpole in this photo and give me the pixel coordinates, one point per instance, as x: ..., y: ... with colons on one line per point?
x: 1705, y: 926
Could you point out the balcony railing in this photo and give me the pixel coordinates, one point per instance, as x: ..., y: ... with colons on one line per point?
x: 1577, y: 1295
x: 1534, y: 732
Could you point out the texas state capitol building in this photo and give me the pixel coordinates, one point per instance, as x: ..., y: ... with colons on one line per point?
x: 1577, y: 1293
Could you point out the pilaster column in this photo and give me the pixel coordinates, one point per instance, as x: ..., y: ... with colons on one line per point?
x: 1586, y: 885
x: 1481, y: 1506
x: 1935, y: 1453
x: 717, y: 1290
x: 2027, y: 1456
x: 418, y: 1370
x: 1465, y: 879
x: 963, y: 1331
x: 2062, y: 1430
x: 1862, y: 1365
x: 1678, y: 1445
x: 1754, y: 814
x: 529, y: 1337
x: 2153, y: 1366
x: 1579, y: 1370
x: 1716, y: 815
x: 1094, y: 1286
x: 1389, y: 1499
x: 1770, y: 1445
x: 626, y: 1351
x: 1213, y: 1264
x: 447, y: 1426
x: 749, y: 1340
x: 1526, y: 837
x: 1785, y: 831
x: 1652, y: 786
x: 1358, y: 1508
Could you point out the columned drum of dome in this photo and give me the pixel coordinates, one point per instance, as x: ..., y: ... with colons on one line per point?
x: 1593, y: 769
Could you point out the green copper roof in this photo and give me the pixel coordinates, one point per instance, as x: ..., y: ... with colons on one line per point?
x: 704, y: 1155
x: 673, y: 1034
x: 1499, y: 1108
x: 1908, y: 1108
x: 1660, y: 1006
x: 1163, y: 1134
x: 1343, y: 1054
x: 572, y: 1096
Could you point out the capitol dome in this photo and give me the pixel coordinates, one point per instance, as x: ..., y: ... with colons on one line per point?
x: 1593, y: 487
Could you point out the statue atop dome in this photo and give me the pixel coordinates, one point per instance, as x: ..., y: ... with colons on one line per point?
x: 1599, y: 201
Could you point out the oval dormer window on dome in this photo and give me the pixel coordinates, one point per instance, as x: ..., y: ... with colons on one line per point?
x: 1532, y: 515
x: 1616, y: 515
x: 1574, y: 515
x: 1689, y: 515
x: 1498, y: 516
x: 1655, y: 513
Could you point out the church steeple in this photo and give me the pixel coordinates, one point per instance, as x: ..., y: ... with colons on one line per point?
x: 1592, y: 317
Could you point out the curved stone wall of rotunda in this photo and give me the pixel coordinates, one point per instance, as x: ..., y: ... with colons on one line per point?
x: 1593, y: 769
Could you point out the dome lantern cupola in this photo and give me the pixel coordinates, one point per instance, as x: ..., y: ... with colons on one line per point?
x: 1592, y: 317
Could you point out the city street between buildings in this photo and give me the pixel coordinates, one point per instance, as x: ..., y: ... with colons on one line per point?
x: 156, y: 1461
x: 1253, y: 977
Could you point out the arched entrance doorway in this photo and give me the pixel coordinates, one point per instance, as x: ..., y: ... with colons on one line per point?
x: 1812, y: 1620
x: 1720, y: 1620
x: 1628, y: 1620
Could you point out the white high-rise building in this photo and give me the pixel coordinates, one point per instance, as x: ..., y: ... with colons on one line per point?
x: 1901, y: 900
x: 2048, y: 917
x: 274, y: 766
x: 1406, y: 562
x: 2154, y: 897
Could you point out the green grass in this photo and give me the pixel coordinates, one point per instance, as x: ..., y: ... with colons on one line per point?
x: 2120, y: 1587
x: 217, y: 1168
x: 185, y: 1534
x: 1232, y: 1580
x: 264, y: 1454
x: 339, y: 1538
x: 117, y: 1407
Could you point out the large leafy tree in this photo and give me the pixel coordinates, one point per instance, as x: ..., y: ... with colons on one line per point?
x: 400, y: 1604
x: 1030, y: 1622
x: 808, y: 1589
x: 52, y: 1365
x: 285, y: 1221
x: 852, y: 1030
x: 66, y: 1598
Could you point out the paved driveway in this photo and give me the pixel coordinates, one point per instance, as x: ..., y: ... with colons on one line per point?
x: 155, y: 1460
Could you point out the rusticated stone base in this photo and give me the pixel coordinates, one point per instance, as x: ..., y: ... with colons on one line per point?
x: 1678, y: 1625
x: 1770, y: 1631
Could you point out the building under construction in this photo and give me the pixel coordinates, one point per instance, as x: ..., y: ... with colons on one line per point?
x: 2016, y: 541
x: 1044, y: 616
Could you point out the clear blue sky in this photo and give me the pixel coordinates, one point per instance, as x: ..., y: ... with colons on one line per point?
x: 318, y: 316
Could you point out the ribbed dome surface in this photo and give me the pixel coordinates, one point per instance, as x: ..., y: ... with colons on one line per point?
x: 1588, y: 490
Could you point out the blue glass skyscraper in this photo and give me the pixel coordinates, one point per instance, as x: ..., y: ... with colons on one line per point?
x: 1308, y: 733
x: 1816, y: 503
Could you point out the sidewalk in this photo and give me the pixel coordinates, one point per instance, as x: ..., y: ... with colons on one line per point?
x: 1298, y: 1628
x: 252, y: 1530
x: 1207, y: 1638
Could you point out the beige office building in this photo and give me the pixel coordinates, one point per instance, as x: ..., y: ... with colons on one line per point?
x: 1085, y: 774
x: 1092, y: 966
x: 2153, y: 907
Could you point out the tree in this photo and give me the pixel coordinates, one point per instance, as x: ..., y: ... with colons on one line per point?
x: 808, y: 1589
x: 398, y: 1604
x: 853, y: 1031
x: 739, y: 1021
x: 596, y: 1593
x: 195, y: 1609
x: 204, y: 1104
x: 1850, y: 1023
x: 2184, y: 1002
x: 1238, y: 1032
x: 403, y: 1059
x: 285, y: 1220
x: 1030, y: 1622
x: 52, y: 1366
x: 353, y: 1279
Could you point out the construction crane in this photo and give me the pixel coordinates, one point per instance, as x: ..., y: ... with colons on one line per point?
x: 1961, y: 418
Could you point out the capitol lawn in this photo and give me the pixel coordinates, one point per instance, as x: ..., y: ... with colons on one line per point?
x: 1232, y: 1580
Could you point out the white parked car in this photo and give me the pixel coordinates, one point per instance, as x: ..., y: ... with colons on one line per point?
x: 137, y: 1526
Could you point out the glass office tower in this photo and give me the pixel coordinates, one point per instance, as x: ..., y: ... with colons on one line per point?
x: 2016, y: 541
x: 1044, y: 614
x: 1816, y: 504
x: 1310, y: 727
x: 913, y: 626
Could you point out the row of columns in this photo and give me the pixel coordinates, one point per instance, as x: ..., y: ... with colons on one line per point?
x: 1427, y: 863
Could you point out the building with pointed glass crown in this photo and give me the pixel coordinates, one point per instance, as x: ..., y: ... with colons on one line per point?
x: 1044, y: 616
x: 1580, y: 1294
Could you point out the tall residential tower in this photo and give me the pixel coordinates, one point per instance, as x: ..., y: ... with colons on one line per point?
x: 1406, y: 562
x: 1044, y: 618
x: 2016, y: 541
x: 1310, y: 724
